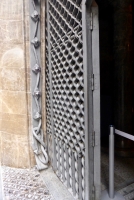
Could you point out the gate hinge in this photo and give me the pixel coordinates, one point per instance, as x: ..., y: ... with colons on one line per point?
x: 92, y: 82
x: 93, y: 192
x: 93, y: 139
x: 91, y: 21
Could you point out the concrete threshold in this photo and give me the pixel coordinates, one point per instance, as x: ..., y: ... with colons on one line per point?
x: 55, y: 186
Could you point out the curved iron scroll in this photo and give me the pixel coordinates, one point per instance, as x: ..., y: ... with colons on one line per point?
x: 39, y: 146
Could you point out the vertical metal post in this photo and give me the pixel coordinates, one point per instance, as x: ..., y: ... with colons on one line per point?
x: 111, y: 163
x: 88, y: 112
x: 111, y: 194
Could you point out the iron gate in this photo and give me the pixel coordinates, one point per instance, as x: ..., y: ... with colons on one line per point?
x: 69, y: 95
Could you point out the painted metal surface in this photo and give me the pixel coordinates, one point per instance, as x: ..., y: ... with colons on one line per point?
x: 123, y: 134
x: 96, y: 97
x: 69, y: 92
x: 65, y: 48
x: 111, y: 194
x: 88, y: 100
x: 39, y: 146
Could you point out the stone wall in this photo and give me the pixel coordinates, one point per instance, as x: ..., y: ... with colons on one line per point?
x: 15, y: 94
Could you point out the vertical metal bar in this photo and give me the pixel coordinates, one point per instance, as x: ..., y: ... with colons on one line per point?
x: 88, y: 104
x: 33, y: 61
x: 76, y: 175
x: 67, y: 171
x: 63, y: 168
x: 58, y: 160
x: 70, y: 168
x: 96, y: 96
x: 51, y: 96
x: 111, y: 194
x: 111, y: 163
x: 73, y: 173
x: 80, y: 178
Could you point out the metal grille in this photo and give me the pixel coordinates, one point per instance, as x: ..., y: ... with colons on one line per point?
x: 64, y: 26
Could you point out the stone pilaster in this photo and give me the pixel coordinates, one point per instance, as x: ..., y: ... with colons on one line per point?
x: 15, y: 107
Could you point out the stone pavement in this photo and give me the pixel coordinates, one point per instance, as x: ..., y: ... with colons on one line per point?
x: 123, y: 175
x: 23, y: 184
x: 29, y: 184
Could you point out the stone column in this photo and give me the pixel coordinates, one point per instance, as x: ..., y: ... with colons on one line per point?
x: 15, y: 94
x: 123, y: 63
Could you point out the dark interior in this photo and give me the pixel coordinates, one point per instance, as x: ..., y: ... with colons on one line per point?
x: 106, y: 69
x: 117, y: 74
x: 109, y: 59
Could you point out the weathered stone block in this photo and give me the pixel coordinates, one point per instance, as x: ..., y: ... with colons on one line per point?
x: 14, y: 124
x: 14, y: 150
x: 12, y: 79
x: 12, y: 58
x: 13, y: 102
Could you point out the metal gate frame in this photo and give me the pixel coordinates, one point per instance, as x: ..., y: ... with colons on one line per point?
x: 91, y: 99
x: 88, y: 83
x: 91, y: 23
x: 96, y: 97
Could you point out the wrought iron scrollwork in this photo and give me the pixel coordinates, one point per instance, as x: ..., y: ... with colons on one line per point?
x: 39, y: 146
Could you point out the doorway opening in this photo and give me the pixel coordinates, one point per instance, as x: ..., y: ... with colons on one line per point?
x: 117, y: 92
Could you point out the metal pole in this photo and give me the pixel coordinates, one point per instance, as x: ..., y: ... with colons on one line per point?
x: 111, y: 194
x: 111, y: 163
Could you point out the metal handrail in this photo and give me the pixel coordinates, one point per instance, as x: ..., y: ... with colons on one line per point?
x: 123, y: 134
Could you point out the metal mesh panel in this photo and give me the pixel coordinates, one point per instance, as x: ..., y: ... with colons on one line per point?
x: 66, y: 47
